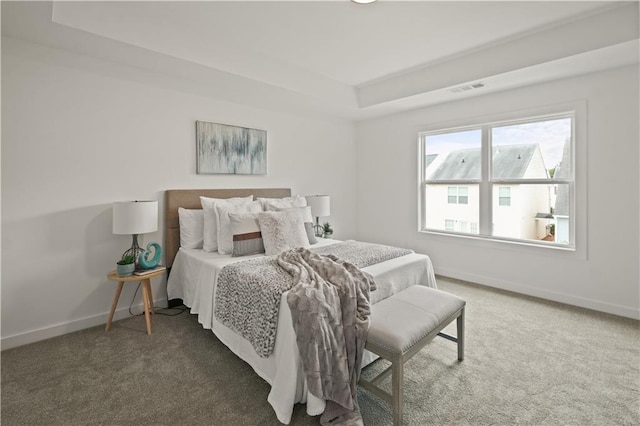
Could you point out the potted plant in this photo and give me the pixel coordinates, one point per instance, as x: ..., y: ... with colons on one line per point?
x: 125, y: 266
x: 328, y: 231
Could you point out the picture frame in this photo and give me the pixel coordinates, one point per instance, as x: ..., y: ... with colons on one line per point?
x: 227, y: 149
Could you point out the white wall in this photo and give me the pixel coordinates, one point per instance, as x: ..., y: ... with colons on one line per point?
x: 604, y: 277
x: 76, y: 139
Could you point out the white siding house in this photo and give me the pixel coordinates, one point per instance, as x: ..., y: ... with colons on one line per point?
x: 455, y: 207
x: 561, y: 211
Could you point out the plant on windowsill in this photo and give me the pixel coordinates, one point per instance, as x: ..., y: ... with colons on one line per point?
x: 327, y: 230
x: 125, y: 266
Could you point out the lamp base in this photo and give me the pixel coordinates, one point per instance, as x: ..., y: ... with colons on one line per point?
x: 134, y: 250
x: 318, y: 229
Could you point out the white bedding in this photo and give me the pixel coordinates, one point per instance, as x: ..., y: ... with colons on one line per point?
x: 193, y: 277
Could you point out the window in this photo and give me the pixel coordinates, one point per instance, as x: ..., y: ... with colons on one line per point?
x: 458, y: 195
x: 452, y: 195
x: 504, y: 197
x: 449, y: 224
x: 508, y: 180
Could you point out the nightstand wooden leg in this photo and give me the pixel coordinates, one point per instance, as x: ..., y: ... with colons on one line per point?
x: 145, y: 299
x: 150, y: 294
x: 114, y: 304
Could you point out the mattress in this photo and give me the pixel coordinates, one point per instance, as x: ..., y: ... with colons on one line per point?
x: 193, y: 279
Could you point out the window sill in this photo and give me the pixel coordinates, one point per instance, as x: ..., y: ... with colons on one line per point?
x: 500, y: 242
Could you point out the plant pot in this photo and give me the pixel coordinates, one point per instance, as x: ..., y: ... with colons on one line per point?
x: 125, y: 270
x: 328, y: 234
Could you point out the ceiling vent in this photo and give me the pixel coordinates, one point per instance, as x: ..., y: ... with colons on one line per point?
x: 466, y: 87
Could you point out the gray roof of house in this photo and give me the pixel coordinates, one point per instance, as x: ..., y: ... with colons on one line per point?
x: 563, y: 169
x: 509, y: 162
x: 428, y: 159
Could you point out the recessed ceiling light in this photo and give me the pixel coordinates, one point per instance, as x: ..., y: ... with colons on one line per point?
x: 363, y: 1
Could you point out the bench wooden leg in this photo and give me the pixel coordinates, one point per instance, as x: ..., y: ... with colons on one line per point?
x: 397, y: 380
x: 460, y: 336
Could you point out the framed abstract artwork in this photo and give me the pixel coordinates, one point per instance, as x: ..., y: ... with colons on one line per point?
x: 225, y: 149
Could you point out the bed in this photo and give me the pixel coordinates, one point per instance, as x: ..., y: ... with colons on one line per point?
x: 193, y: 278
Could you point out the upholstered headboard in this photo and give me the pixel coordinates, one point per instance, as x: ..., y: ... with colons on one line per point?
x: 190, y: 199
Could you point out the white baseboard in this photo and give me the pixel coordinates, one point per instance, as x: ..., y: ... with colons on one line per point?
x: 69, y: 327
x: 568, y: 299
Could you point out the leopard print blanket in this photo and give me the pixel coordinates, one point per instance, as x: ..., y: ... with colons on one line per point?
x: 248, y: 293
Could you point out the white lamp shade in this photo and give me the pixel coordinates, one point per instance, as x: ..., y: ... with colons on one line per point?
x: 320, y: 205
x: 135, y: 217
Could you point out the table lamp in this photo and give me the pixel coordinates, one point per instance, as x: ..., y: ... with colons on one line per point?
x: 135, y: 217
x: 320, y: 207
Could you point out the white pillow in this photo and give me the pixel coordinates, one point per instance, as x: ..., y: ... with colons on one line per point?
x: 225, y: 234
x: 283, y: 230
x: 269, y: 204
x: 210, y: 215
x: 191, y: 227
x: 247, y: 239
x: 305, y: 213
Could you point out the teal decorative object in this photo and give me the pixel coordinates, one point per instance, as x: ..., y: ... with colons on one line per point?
x: 145, y: 262
x: 125, y: 270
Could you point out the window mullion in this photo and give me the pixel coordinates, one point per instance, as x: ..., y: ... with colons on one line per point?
x: 485, y: 184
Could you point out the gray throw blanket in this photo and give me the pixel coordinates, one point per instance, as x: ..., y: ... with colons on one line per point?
x: 330, y: 311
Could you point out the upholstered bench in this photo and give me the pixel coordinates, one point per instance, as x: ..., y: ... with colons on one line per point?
x: 403, y: 324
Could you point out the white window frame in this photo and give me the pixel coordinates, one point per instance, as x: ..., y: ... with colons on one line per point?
x: 578, y: 190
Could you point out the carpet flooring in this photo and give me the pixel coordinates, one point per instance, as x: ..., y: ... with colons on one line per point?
x: 528, y: 362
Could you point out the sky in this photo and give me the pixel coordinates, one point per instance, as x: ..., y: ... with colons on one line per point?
x: 550, y: 135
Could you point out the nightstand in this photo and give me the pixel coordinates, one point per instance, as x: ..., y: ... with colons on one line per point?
x: 147, y: 297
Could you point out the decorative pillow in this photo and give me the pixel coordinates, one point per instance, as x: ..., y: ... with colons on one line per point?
x: 191, y: 227
x: 247, y: 238
x: 311, y: 233
x: 270, y: 204
x: 305, y: 213
x: 225, y: 235
x: 283, y: 230
x: 210, y: 228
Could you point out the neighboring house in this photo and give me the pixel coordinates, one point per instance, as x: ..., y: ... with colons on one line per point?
x: 455, y: 207
x: 561, y: 210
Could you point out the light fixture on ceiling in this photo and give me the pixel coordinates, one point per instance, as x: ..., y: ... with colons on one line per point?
x: 466, y: 87
x: 363, y: 1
